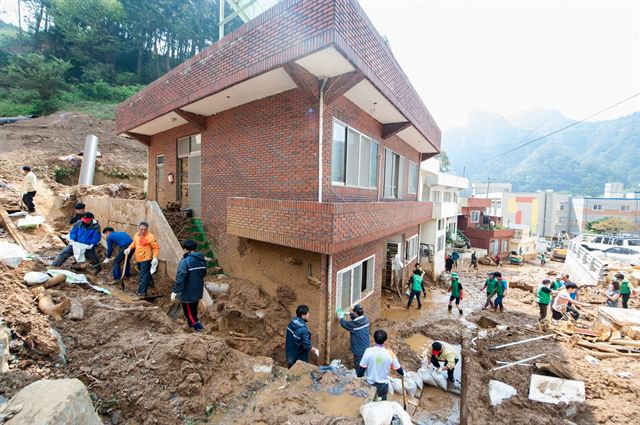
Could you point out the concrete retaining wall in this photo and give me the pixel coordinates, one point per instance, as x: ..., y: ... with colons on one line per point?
x: 126, y: 214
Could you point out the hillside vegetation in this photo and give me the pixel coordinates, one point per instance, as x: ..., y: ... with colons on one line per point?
x: 88, y: 55
x: 580, y: 159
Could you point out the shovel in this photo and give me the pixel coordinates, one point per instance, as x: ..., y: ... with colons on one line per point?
x: 404, y: 397
x: 124, y: 268
x: 174, y: 310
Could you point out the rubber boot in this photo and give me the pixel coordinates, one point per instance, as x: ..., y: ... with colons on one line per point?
x: 449, y: 307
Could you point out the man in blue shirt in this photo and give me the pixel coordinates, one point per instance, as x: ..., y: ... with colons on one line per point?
x: 189, y: 285
x: 120, y: 240
x: 298, y: 340
x: 358, y: 327
x: 86, y: 232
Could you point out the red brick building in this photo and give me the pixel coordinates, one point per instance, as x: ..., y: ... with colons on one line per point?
x: 477, y: 226
x: 298, y: 140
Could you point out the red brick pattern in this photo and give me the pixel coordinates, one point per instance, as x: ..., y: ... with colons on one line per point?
x: 288, y: 31
x: 327, y: 228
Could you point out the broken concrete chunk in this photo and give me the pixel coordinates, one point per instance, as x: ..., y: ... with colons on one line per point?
x: 53, y: 402
x: 383, y: 412
x: 499, y: 391
x: 547, y: 389
x: 76, y: 312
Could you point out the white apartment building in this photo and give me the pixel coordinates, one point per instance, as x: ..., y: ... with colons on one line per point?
x: 443, y: 190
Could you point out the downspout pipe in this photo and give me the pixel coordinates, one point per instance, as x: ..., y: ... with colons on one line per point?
x: 329, y: 308
x: 320, y: 136
x: 88, y: 167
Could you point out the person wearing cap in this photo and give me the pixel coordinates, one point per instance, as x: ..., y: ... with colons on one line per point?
x: 456, y: 292
x: 376, y: 364
x: 80, y: 210
x: 625, y: 289
x: 28, y: 188
x: 120, y: 240
x: 443, y: 356
x: 490, y: 285
x: 87, y: 232
x: 501, y: 291
x: 189, y: 285
x: 358, y: 327
x: 146, y: 249
x: 416, y: 285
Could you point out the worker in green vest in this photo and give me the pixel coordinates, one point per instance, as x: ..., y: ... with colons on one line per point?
x: 456, y: 292
x: 416, y: 285
x: 544, y: 298
x: 501, y: 289
x: 625, y: 289
x: 490, y: 285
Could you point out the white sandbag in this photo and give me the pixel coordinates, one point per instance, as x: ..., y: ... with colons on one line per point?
x: 30, y: 222
x: 410, y: 387
x: 11, y: 254
x: 36, y: 278
x: 415, y: 377
x: 71, y: 276
x: 427, y: 378
x: 499, y: 391
x: 396, y: 384
x: 382, y: 412
x: 78, y: 251
x: 440, y: 378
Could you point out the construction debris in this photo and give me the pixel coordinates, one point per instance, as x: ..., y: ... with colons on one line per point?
x: 499, y: 391
x: 511, y: 344
x: 47, y: 306
x: 547, y: 389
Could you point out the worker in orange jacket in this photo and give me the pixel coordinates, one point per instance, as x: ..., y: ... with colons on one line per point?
x: 146, y: 255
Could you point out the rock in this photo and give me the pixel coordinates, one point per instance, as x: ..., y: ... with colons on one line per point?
x: 54, y: 402
x: 76, y: 312
x: 499, y: 391
x: 5, y: 341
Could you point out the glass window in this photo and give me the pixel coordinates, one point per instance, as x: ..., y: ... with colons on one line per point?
x: 355, y: 283
x: 338, y: 151
x: 160, y: 160
x: 413, y: 177
x: 353, y: 148
x: 392, y: 174
x: 373, y: 165
x: 365, y: 161
x: 475, y: 216
x: 633, y: 242
x: 183, y: 146
x: 624, y: 207
x: 194, y: 143
x: 411, y: 248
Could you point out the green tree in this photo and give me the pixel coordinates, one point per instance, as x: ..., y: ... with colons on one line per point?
x: 34, y: 77
x: 610, y: 225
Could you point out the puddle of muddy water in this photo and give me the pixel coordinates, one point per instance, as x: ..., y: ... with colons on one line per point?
x: 418, y: 344
x: 340, y: 405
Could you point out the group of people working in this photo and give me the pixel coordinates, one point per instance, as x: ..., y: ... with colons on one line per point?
x: 373, y: 362
x: 496, y: 287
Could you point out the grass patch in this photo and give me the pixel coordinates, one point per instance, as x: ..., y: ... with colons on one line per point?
x: 102, y: 110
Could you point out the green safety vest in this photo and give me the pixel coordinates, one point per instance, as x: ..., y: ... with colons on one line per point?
x: 557, y: 284
x: 500, y: 287
x: 455, y: 287
x: 491, y: 286
x: 624, y: 287
x: 543, y: 297
x: 416, y: 283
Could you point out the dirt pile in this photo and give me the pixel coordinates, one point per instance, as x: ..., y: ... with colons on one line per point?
x: 62, y: 134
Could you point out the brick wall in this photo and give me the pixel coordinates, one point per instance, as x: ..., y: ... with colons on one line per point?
x: 345, y: 111
x: 289, y: 31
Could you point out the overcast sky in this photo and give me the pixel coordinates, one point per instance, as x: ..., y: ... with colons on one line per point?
x: 506, y: 56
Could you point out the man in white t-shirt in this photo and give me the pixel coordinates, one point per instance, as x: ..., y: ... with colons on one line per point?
x: 562, y: 301
x: 376, y: 364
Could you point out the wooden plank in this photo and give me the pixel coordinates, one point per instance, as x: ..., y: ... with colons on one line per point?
x: 13, y: 230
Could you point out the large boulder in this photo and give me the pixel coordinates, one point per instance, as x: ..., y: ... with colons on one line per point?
x: 53, y: 402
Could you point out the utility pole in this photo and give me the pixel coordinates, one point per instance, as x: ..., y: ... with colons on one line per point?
x: 221, y: 19
x: 488, y: 183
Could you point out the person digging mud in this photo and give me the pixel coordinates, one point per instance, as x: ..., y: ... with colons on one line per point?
x: 456, y: 292
x: 87, y: 233
x: 562, y: 304
x: 120, y: 240
x: 28, y: 189
x: 358, y: 327
x: 490, y: 285
x: 79, y: 212
x: 298, y: 340
x: 416, y: 285
x: 189, y: 285
x: 146, y: 249
x: 376, y: 364
x: 443, y: 356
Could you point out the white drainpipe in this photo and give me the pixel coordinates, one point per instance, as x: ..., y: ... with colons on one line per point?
x: 320, y: 136
x: 329, y: 309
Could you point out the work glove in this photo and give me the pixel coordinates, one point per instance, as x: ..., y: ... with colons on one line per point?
x: 127, y: 251
x: 173, y: 297
x: 154, y: 263
x: 106, y: 261
x: 89, y: 247
x: 315, y: 351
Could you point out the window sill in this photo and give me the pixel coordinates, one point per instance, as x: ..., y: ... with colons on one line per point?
x: 357, y: 302
x: 411, y: 259
x: 353, y: 187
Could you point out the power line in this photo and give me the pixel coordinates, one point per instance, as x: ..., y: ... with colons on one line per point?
x: 553, y: 132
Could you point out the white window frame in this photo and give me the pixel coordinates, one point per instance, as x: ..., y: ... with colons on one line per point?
x: 351, y: 268
x: 358, y: 164
x: 597, y: 207
x: 625, y: 208
x: 395, y: 191
x: 158, y: 163
x: 412, y: 186
x: 411, y: 248
x: 475, y: 214
x: 441, y: 224
x: 440, y: 243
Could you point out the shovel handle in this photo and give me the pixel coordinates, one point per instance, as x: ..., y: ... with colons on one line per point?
x: 404, y: 396
x: 124, y: 268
